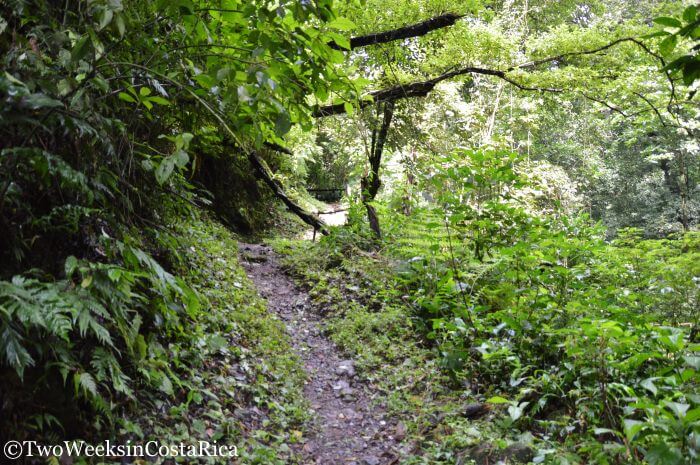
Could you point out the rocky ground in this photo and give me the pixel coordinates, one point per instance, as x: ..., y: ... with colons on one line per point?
x: 349, y: 426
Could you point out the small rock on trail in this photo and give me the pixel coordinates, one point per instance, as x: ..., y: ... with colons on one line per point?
x: 346, y: 368
x: 348, y: 428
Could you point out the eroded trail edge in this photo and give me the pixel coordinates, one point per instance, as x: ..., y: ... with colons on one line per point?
x: 348, y: 428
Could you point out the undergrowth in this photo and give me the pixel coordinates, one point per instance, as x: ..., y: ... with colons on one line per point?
x: 222, y: 372
x: 586, y: 351
x: 240, y: 382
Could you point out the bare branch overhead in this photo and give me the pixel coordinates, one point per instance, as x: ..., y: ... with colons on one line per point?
x: 414, y: 30
x: 423, y: 88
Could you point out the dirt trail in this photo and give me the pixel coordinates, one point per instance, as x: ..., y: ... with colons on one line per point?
x: 348, y: 429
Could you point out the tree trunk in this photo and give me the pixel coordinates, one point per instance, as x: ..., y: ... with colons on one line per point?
x: 373, y: 220
x: 683, y: 188
x: 371, y: 183
x: 409, y: 166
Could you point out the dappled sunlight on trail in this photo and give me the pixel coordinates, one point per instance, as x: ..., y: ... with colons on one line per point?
x: 335, y: 215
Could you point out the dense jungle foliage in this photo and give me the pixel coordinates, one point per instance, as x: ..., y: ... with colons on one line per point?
x: 522, y: 187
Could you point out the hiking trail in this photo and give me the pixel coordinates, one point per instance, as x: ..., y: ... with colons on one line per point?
x: 348, y: 428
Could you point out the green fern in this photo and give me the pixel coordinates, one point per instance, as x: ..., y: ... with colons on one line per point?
x: 89, y: 326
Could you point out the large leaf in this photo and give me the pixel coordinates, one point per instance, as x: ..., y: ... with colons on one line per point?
x: 668, y: 21
x: 668, y: 45
x: 14, y: 353
x: 81, y: 48
x: 632, y: 427
x: 342, y: 24
x: 165, y: 169
x: 663, y: 454
x: 39, y: 101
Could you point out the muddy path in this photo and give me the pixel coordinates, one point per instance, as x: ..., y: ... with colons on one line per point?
x: 348, y: 428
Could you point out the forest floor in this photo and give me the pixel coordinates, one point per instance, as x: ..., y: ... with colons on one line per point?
x: 349, y: 426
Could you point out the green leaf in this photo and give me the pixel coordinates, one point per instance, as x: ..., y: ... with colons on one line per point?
x: 38, y: 101
x: 126, y: 97
x: 691, y: 30
x: 121, y: 27
x: 691, y: 72
x: 64, y: 87
x: 243, y: 94
x: 656, y: 34
x: 186, y: 138
x: 673, y: 342
x: 678, y: 408
x: 101, y: 333
x: 692, y: 361
x: 632, y: 427
x: 678, y: 63
x: 15, y: 355
x: 349, y: 109
x: 166, y: 385
x: 84, y: 318
x: 282, y: 124
x: 692, y: 416
x: 648, y: 384
x: 181, y: 158
x: 217, y: 342
x: 159, y: 100
x: 598, y: 431
x: 668, y: 44
x: 663, y: 454
x: 690, y: 13
x: 100, y: 83
x: 340, y: 40
x: 105, y: 18
x: 516, y: 411
x: 342, y: 24
x: 497, y: 400
x: 668, y: 21
x: 165, y: 169
x: 81, y: 48
x: 141, y: 346
x: 87, y: 383
x: 115, y: 274
x: 185, y: 7
x: 70, y: 265
x: 223, y: 73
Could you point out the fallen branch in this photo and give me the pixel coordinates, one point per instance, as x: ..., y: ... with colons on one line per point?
x: 278, y: 148
x: 266, y: 174
x: 331, y: 212
x: 257, y: 162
